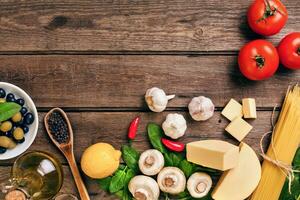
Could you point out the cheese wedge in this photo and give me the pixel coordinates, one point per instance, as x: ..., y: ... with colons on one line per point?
x: 232, y: 110
x: 214, y: 154
x: 239, y: 128
x: 249, y: 108
x: 239, y: 182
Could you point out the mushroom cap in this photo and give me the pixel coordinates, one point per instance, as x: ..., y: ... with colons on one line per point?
x: 171, y: 180
x: 199, y: 184
x: 144, y: 187
x: 201, y: 108
x: 174, y: 126
x: 151, y: 162
x: 156, y: 99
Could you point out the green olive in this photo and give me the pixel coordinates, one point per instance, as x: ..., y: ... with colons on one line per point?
x: 6, y: 142
x: 6, y: 126
x: 2, y: 100
x: 18, y: 133
x: 17, y: 117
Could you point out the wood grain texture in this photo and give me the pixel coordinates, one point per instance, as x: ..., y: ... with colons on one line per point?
x: 150, y: 25
x: 121, y: 81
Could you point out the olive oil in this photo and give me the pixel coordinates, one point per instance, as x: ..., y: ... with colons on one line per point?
x: 38, y: 175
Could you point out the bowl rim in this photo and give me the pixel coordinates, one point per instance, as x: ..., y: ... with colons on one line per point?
x: 32, y: 107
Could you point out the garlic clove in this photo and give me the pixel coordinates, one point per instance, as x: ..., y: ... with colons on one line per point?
x: 151, y: 162
x: 157, y: 99
x: 201, y: 108
x: 199, y: 184
x: 174, y: 126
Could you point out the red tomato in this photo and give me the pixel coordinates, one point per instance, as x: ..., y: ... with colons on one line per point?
x: 258, y: 60
x: 289, y: 51
x: 267, y: 17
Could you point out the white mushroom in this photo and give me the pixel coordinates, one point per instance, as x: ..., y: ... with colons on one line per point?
x: 157, y: 99
x: 174, y: 126
x: 151, y: 162
x: 171, y: 180
x: 143, y: 188
x: 199, y: 184
x: 201, y: 108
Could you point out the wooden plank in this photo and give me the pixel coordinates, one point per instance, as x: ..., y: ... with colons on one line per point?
x: 121, y: 81
x: 111, y: 127
x: 198, y: 25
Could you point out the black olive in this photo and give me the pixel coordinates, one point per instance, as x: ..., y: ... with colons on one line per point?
x: 23, y: 110
x: 25, y: 129
x: 10, y: 97
x: 2, y: 93
x: 20, y: 141
x: 2, y: 150
x: 28, y: 118
x: 20, y: 101
x: 9, y: 133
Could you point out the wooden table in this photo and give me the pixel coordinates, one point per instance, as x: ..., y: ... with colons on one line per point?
x: 95, y: 59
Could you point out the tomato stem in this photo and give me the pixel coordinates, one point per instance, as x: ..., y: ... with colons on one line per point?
x: 268, y: 11
x: 260, y: 61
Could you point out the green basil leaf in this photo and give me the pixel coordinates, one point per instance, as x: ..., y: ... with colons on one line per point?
x: 117, y: 181
x: 295, y: 187
x: 119, y: 194
x: 173, y: 159
x: 126, y: 195
x: 129, y: 175
x: 296, y: 162
x: 155, y: 133
x: 8, y: 110
x: 131, y: 157
x: 104, y: 183
x: 187, y: 168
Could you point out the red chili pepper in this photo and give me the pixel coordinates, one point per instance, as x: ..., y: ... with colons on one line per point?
x: 172, y: 145
x: 133, y: 128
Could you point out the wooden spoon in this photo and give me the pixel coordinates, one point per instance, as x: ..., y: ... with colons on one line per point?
x: 67, y: 150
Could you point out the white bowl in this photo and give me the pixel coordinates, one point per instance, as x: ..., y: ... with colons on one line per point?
x: 33, y: 128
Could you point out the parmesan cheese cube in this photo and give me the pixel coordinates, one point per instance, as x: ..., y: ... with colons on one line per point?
x: 232, y: 110
x: 214, y: 154
x: 239, y: 128
x: 249, y: 108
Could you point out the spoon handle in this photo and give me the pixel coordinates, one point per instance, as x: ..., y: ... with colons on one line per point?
x: 84, y: 195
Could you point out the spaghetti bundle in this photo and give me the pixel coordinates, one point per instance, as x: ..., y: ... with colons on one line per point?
x: 284, y: 144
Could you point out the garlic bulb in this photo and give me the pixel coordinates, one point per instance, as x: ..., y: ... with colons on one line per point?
x: 157, y: 99
x: 201, y: 108
x: 174, y: 126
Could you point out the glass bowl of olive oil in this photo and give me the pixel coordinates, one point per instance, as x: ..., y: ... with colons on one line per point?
x: 37, y: 174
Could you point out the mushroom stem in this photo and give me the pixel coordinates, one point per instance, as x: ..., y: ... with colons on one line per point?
x: 140, y: 194
x: 149, y: 161
x: 201, y: 187
x: 170, y: 181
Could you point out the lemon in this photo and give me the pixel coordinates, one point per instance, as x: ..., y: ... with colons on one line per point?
x: 100, y: 160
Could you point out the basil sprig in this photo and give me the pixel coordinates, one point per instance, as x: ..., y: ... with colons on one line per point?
x: 8, y: 110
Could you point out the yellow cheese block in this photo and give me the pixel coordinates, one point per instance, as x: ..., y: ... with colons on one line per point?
x: 214, y: 154
x: 239, y: 182
x: 239, y: 128
x: 249, y: 108
x: 232, y: 110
